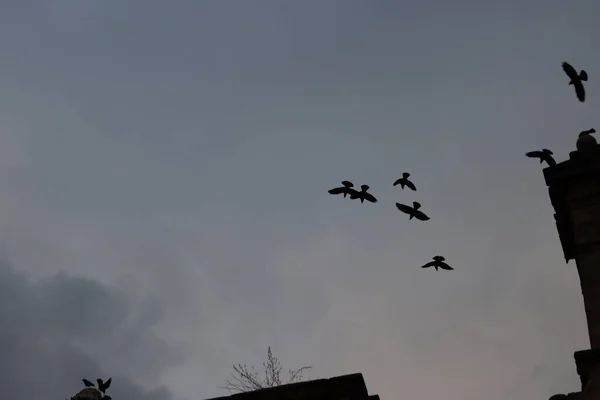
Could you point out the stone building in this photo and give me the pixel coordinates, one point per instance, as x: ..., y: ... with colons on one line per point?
x: 345, y: 387
x: 574, y: 187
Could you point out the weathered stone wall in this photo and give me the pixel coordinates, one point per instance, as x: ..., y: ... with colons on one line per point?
x: 574, y: 188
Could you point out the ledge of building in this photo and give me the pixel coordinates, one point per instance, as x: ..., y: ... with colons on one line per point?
x: 586, y: 361
x: 344, y: 387
x: 559, y: 179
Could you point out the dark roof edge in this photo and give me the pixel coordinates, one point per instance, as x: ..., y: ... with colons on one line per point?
x: 332, y: 381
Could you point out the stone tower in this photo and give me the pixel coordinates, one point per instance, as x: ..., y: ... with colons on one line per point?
x: 574, y: 187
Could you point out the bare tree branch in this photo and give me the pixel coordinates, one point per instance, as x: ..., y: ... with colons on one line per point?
x: 244, y: 379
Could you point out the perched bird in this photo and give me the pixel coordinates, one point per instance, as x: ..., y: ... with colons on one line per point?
x: 405, y: 182
x: 345, y: 190
x: 438, y: 262
x: 102, y: 386
x: 576, y: 80
x: 88, y: 383
x: 588, y: 132
x: 413, y: 211
x: 586, y: 141
x: 544, y: 155
x: 363, y: 195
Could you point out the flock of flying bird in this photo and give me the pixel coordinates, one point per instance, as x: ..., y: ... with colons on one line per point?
x: 347, y: 188
x: 576, y: 79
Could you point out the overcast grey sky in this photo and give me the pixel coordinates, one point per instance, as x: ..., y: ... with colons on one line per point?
x: 164, y: 214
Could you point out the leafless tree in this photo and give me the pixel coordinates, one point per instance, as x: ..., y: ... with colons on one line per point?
x: 244, y: 379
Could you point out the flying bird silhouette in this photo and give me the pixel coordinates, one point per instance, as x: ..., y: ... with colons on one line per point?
x: 346, y: 189
x: 102, y: 386
x: 544, y: 155
x: 363, y: 195
x: 438, y: 262
x: 88, y: 383
x: 413, y: 211
x: 576, y: 80
x: 405, y: 182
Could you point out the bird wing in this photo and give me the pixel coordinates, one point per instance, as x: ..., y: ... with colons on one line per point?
x: 420, y: 215
x: 404, y: 208
x: 535, y: 154
x: 398, y: 181
x: 107, y: 383
x: 411, y: 185
x: 370, y: 197
x: 549, y: 159
x: 569, y: 70
x: 337, y: 190
x: 87, y: 383
x: 579, y: 91
x: 347, y: 183
x: 429, y: 264
x: 445, y: 266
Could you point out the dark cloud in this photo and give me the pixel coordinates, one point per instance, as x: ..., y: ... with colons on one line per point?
x: 57, y: 330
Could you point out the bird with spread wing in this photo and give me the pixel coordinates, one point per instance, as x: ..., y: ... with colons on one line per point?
x: 363, y: 195
x: 345, y: 189
x: 438, y: 262
x: 577, y: 80
x: 543, y: 155
x: 413, y: 211
x: 404, y: 181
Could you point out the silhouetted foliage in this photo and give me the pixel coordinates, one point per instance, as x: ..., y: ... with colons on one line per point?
x: 244, y: 379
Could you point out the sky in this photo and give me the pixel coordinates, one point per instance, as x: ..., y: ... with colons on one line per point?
x: 164, y: 214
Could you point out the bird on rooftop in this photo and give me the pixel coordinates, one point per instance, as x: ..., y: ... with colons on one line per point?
x: 576, y: 80
x: 363, y: 195
x: 438, y: 262
x: 102, y: 386
x: 405, y: 182
x: 88, y: 383
x: 413, y: 211
x: 543, y: 155
x: 586, y: 141
x: 346, y: 189
x: 588, y: 132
